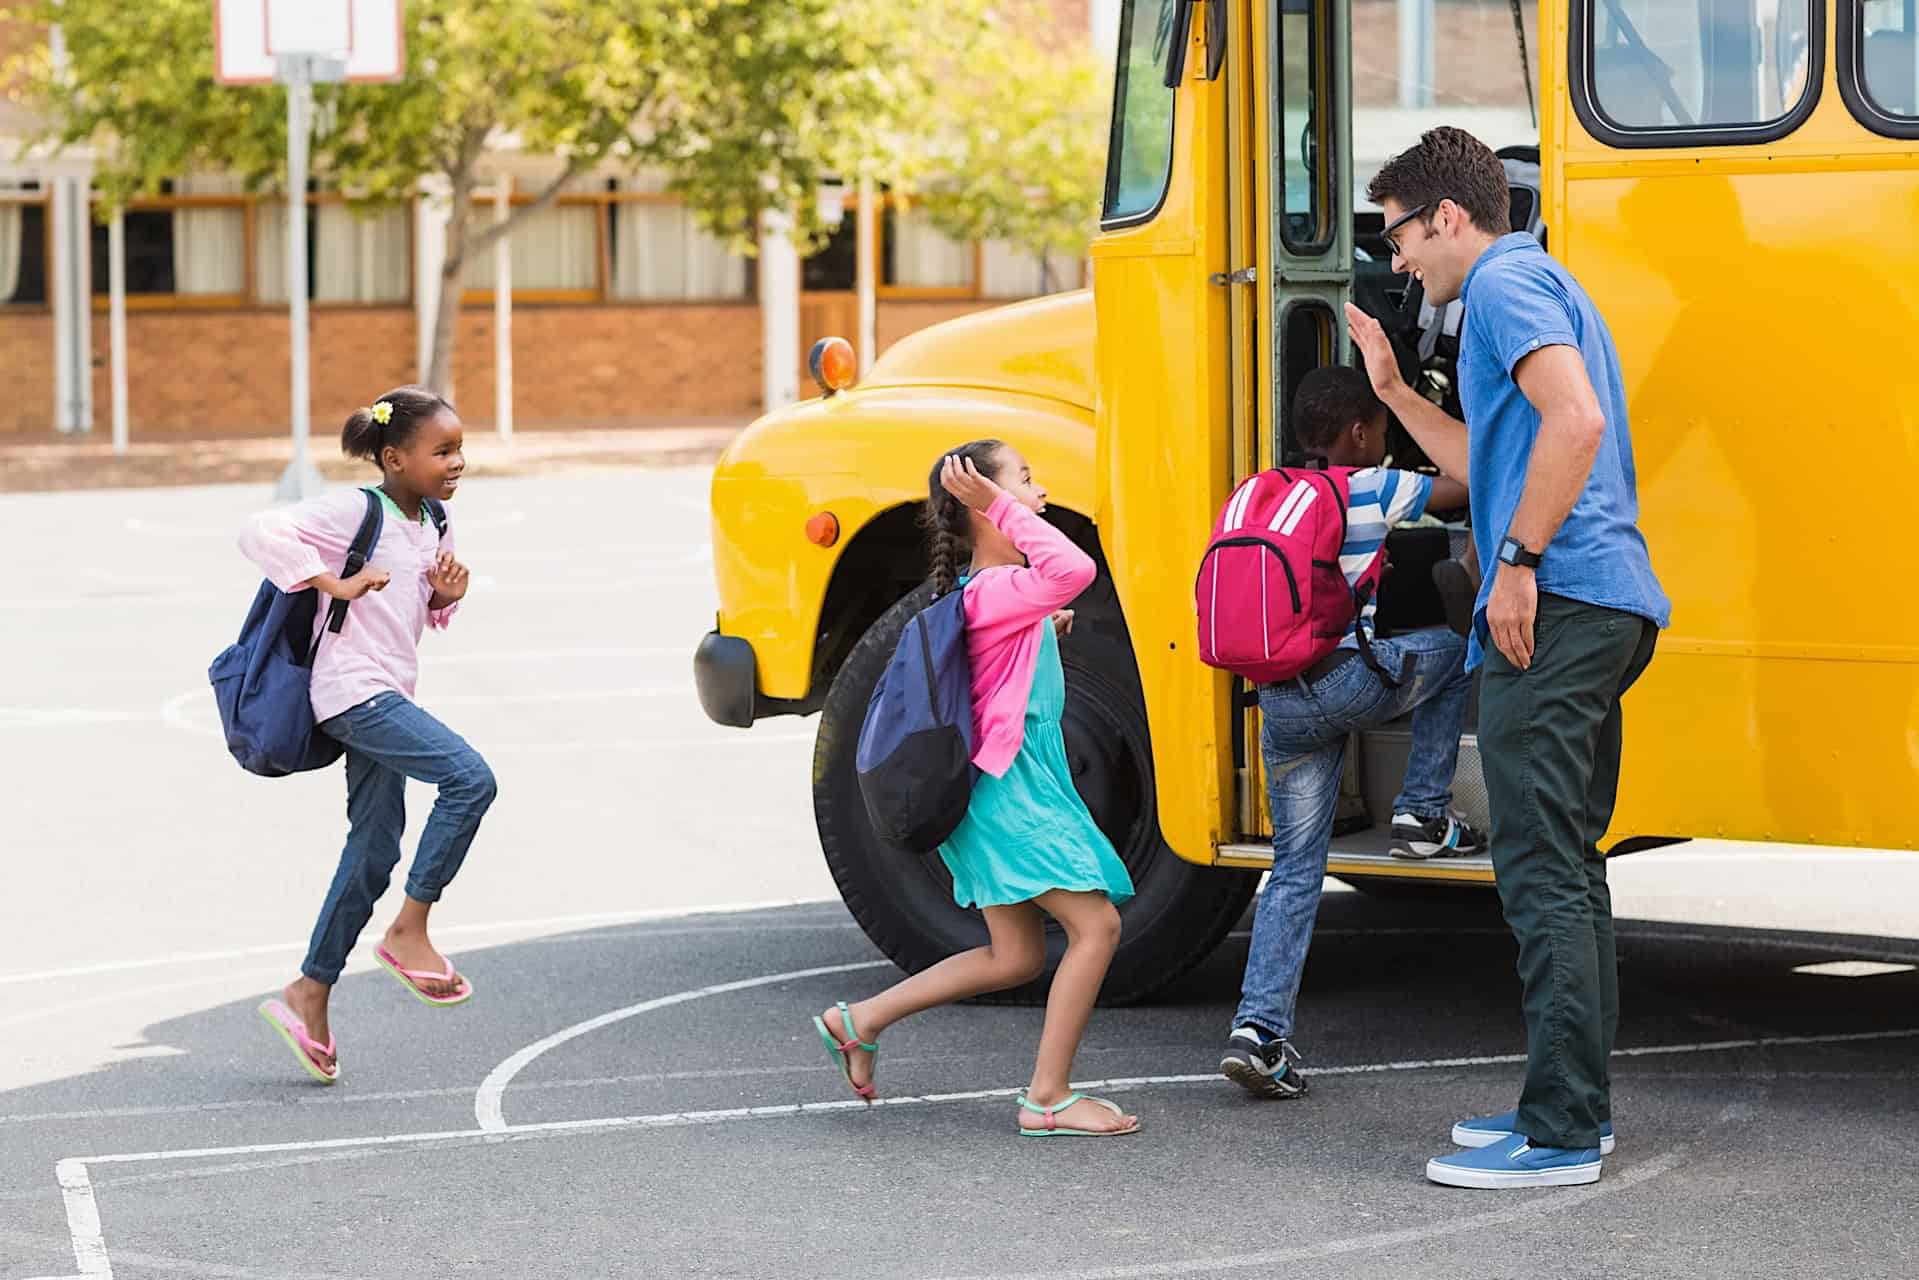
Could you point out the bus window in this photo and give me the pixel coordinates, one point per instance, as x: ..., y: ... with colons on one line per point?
x: 1306, y: 343
x: 1879, y: 64
x: 1303, y: 55
x: 1658, y: 73
x: 1140, y: 156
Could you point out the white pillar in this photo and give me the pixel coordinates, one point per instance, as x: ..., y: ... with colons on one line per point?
x: 301, y: 479
x: 503, y: 311
x: 117, y: 324
x: 72, y: 288
x: 430, y: 211
x: 779, y: 311
x: 868, y: 227
x: 1417, y: 64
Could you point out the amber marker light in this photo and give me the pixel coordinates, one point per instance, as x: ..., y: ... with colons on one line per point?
x: 832, y: 364
x: 823, y: 530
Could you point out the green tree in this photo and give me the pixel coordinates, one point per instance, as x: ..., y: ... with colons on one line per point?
x: 745, y: 105
x: 1017, y: 143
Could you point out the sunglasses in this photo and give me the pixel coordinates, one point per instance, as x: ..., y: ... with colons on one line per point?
x: 1396, y: 224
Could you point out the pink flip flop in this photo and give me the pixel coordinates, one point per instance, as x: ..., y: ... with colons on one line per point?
x: 287, y: 1023
x: 413, y: 977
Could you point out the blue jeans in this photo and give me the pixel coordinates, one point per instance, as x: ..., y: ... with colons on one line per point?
x: 388, y: 739
x: 1304, y: 743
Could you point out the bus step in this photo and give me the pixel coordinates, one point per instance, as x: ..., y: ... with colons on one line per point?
x: 1366, y: 853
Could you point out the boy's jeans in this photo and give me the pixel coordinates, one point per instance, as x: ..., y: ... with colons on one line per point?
x: 388, y: 739
x: 1304, y: 744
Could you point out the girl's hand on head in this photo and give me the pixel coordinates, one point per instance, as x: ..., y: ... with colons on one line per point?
x: 959, y: 477
x: 1063, y: 622
x: 448, y: 577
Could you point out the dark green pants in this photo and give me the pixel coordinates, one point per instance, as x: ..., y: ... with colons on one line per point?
x: 1549, y: 738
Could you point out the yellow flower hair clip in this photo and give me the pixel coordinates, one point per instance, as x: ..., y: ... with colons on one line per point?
x: 382, y: 412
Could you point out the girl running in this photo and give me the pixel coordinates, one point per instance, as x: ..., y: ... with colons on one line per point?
x: 362, y: 690
x: 1027, y: 844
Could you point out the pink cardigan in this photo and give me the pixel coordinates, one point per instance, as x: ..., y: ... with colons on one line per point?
x: 1005, y: 609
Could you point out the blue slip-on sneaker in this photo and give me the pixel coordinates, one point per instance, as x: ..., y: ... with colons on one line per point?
x: 1515, y: 1163
x: 1487, y: 1130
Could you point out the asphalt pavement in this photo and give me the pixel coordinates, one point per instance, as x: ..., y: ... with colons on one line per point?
x: 635, y: 1089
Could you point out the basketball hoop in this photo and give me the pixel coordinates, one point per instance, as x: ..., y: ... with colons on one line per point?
x: 308, y: 41
x: 301, y: 43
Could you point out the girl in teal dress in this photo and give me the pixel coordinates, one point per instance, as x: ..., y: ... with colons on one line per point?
x: 1027, y: 844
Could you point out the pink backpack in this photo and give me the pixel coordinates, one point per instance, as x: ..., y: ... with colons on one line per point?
x: 1272, y: 598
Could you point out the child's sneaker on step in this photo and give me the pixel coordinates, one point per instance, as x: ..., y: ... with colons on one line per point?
x: 1487, y: 1130
x: 1514, y: 1162
x: 1262, y: 1064
x: 1444, y: 836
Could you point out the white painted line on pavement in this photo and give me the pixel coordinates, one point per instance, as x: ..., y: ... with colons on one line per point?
x: 487, y: 1101
x: 493, y: 926
x: 84, y: 1220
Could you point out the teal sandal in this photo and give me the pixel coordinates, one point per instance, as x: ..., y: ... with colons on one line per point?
x: 1052, y: 1129
x: 839, y: 1048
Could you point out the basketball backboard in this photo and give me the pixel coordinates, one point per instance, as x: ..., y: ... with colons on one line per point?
x: 250, y: 36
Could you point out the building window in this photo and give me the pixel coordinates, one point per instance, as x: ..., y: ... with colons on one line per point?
x: 188, y: 247
x: 1654, y: 73
x: 917, y: 260
x: 1010, y: 271
x: 608, y: 239
x: 556, y: 252
x: 917, y: 263
x: 361, y: 258
x: 24, y: 247
x: 660, y: 254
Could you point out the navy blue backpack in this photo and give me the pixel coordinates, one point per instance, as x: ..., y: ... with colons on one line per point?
x: 262, y: 681
x: 915, y: 755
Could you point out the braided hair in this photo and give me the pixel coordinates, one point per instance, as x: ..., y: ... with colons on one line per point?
x: 947, y: 520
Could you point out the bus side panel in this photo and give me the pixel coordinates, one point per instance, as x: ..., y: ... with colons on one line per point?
x: 1765, y: 324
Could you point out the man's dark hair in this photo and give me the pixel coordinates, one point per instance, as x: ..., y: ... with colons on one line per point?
x: 1329, y: 400
x: 1448, y: 164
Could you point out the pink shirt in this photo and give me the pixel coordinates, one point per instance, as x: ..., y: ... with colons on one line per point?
x: 1005, y: 608
x: 378, y: 648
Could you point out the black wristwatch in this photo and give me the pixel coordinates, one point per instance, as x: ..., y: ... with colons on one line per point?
x: 1512, y: 551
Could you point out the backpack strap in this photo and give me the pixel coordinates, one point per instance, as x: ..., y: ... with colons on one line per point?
x: 437, y: 510
x: 357, y: 555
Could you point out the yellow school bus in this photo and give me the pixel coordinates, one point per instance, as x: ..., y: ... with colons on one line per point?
x: 1736, y: 183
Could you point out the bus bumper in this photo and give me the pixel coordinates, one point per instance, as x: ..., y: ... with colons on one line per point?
x: 726, y: 674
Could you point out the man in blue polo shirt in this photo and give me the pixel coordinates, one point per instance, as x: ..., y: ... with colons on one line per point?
x: 1565, y: 622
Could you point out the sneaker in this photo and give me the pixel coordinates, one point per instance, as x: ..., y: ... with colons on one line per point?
x: 1515, y: 1162
x: 1458, y: 592
x: 1445, y: 836
x: 1258, y: 1063
x: 1487, y: 1130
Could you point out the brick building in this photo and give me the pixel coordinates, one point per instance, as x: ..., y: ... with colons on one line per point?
x: 622, y: 311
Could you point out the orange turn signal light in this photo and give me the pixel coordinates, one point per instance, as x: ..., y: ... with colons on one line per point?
x: 823, y: 530
x: 832, y: 364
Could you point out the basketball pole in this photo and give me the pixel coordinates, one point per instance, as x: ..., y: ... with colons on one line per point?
x: 301, y: 479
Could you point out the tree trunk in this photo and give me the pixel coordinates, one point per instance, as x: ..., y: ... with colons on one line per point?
x: 446, y: 316
x: 462, y: 240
